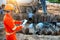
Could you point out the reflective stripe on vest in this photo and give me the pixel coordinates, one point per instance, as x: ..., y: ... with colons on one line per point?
x: 14, y: 28
x: 9, y: 33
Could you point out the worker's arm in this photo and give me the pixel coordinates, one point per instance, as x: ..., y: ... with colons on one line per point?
x: 17, y: 28
x: 10, y: 26
x: 9, y: 23
x: 21, y: 26
x: 17, y: 22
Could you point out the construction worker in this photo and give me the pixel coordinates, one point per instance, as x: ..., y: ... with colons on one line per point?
x: 9, y: 23
x: 44, y: 8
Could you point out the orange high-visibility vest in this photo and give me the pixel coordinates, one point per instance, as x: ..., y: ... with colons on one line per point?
x: 10, y: 27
